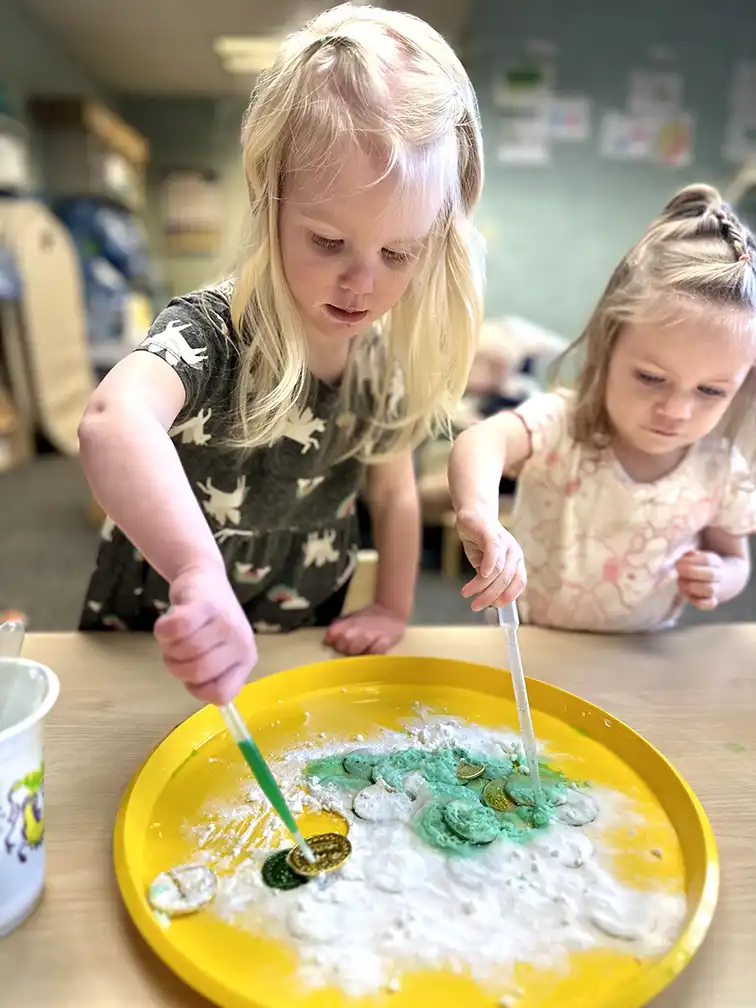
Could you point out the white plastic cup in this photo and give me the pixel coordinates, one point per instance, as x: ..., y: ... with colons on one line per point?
x: 28, y: 692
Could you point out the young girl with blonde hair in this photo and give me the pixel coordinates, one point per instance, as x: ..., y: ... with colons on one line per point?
x: 229, y: 454
x: 634, y: 496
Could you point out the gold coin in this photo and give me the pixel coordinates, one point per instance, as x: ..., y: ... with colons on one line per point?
x: 331, y: 850
x: 496, y: 797
x: 469, y: 771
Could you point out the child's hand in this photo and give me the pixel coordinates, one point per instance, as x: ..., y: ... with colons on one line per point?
x: 205, y: 638
x: 496, y: 556
x: 699, y: 576
x: 372, y: 630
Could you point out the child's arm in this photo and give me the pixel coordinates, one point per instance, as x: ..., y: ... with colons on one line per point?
x: 478, y: 460
x: 137, y: 477
x: 395, y: 512
x: 717, y: 572
x: 134, y: 471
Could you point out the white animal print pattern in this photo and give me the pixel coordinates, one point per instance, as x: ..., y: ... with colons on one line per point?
x: 175, y: 346
x: 192, y: 431
x: 282, y: 515
x: 224, y: 506
x: 319, y: 549
x: 302, y: 428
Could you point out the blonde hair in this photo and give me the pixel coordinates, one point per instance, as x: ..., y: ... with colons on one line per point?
x: 393, y: 84
x: 696, y: 253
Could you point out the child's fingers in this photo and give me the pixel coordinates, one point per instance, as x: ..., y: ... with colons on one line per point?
x: 192, y: 648
x: 495, y: 590
x: 351, y: 642
x: 224, y: 689
x: 180, y: 623
x: 380, y: 645
x: 697, y: 572
x: 703, y: 603
x: 515, y: 588
x: 491, y: 559
x: 475, y: 585
x: 503, y: 566
x: 699, y: 594
x: 699, y: 590
x: 205, y: 667
x: 334, y: 630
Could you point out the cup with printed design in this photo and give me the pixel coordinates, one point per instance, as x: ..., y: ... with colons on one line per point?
x: 28, y: 692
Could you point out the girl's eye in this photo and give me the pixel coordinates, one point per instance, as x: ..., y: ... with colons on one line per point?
x: 648, y: 379
x: 331, y: 244
x: 707, y: 390
x: 397, y: 258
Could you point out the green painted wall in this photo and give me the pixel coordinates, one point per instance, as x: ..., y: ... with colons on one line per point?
x: 200, y: 134
x: 556, y: 231
x: 34, y: 60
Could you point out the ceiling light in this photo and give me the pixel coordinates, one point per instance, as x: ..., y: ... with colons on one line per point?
x: 246, y: 54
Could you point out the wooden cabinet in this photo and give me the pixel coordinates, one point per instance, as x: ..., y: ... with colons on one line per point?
x: 88, y: 150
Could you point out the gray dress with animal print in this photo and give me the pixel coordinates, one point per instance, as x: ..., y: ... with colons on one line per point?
x: 284, y: 517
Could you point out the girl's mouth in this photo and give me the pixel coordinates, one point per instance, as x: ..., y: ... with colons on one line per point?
x: 344, y: 315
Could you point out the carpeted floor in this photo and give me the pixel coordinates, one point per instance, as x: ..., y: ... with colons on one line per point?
x: 48, y: 544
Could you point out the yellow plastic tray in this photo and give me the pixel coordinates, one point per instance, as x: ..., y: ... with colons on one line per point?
x: 198, y: 762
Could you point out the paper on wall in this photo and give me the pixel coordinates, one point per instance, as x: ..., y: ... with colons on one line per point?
x: 743, y: 87
x: 622, y: 137
x: 654, y: 94
x: 525, y: 139
x: 673, y: 143
x: 523, y: 85
x: 740, y: 132
x: 668, y: 141
x: 740, y: 140
x: 569, y: 117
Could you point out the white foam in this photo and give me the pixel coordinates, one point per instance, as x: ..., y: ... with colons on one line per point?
x: 399, y: 905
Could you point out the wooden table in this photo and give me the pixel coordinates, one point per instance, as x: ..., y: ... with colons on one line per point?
x: 691, y: 692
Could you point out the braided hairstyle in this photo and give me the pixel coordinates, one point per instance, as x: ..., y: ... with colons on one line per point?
x: 698, y: 213
x: 696, y: 255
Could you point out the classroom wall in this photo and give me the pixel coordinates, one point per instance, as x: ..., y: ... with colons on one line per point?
x: 555, y: 231
x: 33, y: 60
x: 200, y: 134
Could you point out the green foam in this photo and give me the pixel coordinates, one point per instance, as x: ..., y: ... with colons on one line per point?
x: 475, y: 823
x: 431, y: 826
x: 360, y: 763
x: 520, y: 790
x: 456, y: 821
x: 330, y: 770
x: 393, y: 768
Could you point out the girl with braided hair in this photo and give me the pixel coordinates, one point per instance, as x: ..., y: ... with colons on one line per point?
x: 634, y: 488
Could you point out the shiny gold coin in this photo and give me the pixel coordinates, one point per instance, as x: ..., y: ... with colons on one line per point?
x: 469, y: 771
x: 331, y: 850
x: 496, y: 797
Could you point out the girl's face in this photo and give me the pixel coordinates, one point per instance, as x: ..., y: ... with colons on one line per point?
x: 349, y: 243
x: 669, y: 385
